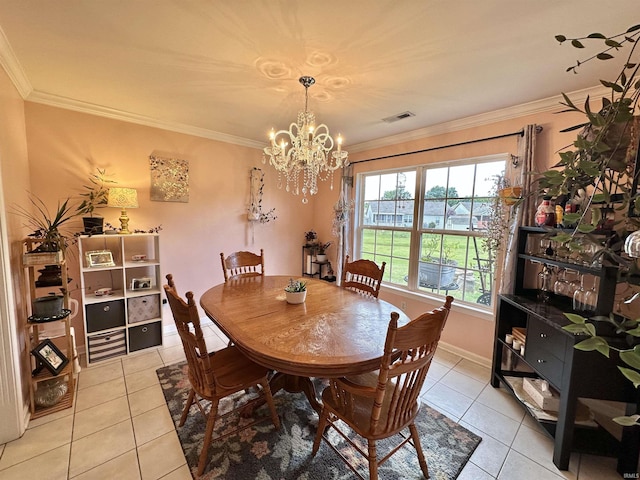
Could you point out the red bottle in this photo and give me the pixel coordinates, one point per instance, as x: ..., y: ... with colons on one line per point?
x: 546, y: 214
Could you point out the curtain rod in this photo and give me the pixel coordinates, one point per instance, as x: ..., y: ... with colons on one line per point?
x: 520, y: 133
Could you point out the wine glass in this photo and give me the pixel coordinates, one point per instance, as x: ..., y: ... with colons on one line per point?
x: 561, y: 285
x: 590, y: 298
x: 574, y: 284
x: 579, y: 297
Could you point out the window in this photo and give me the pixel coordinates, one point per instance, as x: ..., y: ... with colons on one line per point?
x: 432, y: 244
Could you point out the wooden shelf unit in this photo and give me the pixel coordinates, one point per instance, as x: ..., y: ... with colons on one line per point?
x: 35, y: 331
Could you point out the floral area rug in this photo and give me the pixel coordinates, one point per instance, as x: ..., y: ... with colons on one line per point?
x: 264, y: 453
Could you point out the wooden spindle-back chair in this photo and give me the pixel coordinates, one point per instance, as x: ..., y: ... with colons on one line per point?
x: 381, y: 404
x: 214, y: 375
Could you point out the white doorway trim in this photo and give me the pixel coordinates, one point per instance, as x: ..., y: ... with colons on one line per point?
x: 12, y: 407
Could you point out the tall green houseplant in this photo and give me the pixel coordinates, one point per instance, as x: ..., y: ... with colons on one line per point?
x: 95, y: 196
x: 47, y: 227
x: 600, y: 168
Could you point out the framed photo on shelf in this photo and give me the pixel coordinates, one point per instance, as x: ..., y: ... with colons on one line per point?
x: 50, y: 356
x: 100, y: 258
x: 143, y: 283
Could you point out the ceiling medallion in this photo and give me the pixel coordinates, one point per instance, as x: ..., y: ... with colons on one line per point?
x: 305, y: 150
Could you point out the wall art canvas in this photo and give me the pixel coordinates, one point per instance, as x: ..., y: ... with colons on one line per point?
x: 169, y: 179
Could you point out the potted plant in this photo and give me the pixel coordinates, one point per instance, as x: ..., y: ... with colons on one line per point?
x: 600, y: 169
x: 321, y: 251
x: 296, y: 291
x: 311, y: 238
x: 95, y: 196
x: 601, y: 160
x: 52, y: 243
x: 435, y: 271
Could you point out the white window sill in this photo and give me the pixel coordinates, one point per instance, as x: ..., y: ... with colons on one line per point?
x: 437, y: 301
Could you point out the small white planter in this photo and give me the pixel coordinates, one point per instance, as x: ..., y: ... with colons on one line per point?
x: 321, y: 258
x: 295, y: 298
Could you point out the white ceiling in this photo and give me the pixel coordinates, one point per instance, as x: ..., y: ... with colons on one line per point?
x: 229, y: 69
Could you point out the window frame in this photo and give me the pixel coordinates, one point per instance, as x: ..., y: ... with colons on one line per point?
x: 416, y: 230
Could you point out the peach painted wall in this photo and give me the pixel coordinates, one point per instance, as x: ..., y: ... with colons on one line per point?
x: 65, y: 146
x: 14, y: 173
x: 467, y: 330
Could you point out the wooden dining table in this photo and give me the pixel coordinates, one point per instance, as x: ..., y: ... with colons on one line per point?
x: 334, y: 333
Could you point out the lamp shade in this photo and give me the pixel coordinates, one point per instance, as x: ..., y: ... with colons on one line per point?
x: 123, y: 197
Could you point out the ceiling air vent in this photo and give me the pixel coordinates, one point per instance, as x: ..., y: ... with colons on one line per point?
x: 399, y: 116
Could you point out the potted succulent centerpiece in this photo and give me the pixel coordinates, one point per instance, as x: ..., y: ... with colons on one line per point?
x: 296, y: 291
x: 95, y: 196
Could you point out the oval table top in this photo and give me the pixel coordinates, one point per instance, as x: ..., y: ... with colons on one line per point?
x: 335, y: 332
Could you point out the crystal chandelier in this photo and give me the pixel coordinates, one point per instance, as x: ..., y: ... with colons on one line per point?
x: 304, y: 151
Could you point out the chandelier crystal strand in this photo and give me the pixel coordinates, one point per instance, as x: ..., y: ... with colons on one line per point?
x: 304, y: 152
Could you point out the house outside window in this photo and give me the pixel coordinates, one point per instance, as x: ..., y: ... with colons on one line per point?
x: 427, y: 223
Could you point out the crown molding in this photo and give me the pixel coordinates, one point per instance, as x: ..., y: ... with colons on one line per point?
x: 12, y: 66
x: 14, y: 70
x: 551, y: 104
x: 115, y: 114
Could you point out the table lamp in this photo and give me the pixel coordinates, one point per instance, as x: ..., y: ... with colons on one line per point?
x: 123, y: 198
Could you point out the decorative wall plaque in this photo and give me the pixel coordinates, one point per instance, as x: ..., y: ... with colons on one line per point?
x: 169, y: 179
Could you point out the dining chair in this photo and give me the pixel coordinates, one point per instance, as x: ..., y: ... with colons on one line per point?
x: 363, y: 276
x: 242, y: 264
x: 215, y: 375
x: 380, y: 404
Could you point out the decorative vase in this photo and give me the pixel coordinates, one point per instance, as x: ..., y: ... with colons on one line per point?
x: 50, y: 276
x: 48, y: 307
x: 93, y: 225
x: 50, y: 392
x: 321, y: 258
x: 632, y: 244
x: 296, y: 298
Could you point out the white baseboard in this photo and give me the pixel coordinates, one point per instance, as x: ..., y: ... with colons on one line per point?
x: 485, y: 362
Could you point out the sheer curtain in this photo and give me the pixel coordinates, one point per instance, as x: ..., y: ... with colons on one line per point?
x: 342, y: 220
x: 519, y: 172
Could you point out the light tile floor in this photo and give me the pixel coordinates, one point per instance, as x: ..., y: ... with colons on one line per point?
x: 120, y: 426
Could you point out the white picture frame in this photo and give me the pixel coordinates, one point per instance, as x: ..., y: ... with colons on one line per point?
x: 142, y: 283
x: 100, y: 258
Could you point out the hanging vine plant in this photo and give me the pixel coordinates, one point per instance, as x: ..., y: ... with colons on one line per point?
x: 255, y: 213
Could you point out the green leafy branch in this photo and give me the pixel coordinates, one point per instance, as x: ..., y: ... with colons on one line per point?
x: 598, y: 160
x: 631, y: 357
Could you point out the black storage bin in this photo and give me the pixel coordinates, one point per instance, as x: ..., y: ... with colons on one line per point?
x: 104, y: 315
x: 145, y: 336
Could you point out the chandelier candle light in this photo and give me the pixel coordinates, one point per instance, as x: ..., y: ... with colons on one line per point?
x: 305, y: 149
x: 123, y: 198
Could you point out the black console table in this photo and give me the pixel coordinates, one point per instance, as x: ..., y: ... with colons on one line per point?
x: 549, y: 354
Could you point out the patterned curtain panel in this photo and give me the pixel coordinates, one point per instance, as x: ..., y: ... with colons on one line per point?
x: 519, y: 173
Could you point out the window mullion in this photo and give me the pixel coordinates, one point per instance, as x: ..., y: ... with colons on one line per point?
x: 418, y: 208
